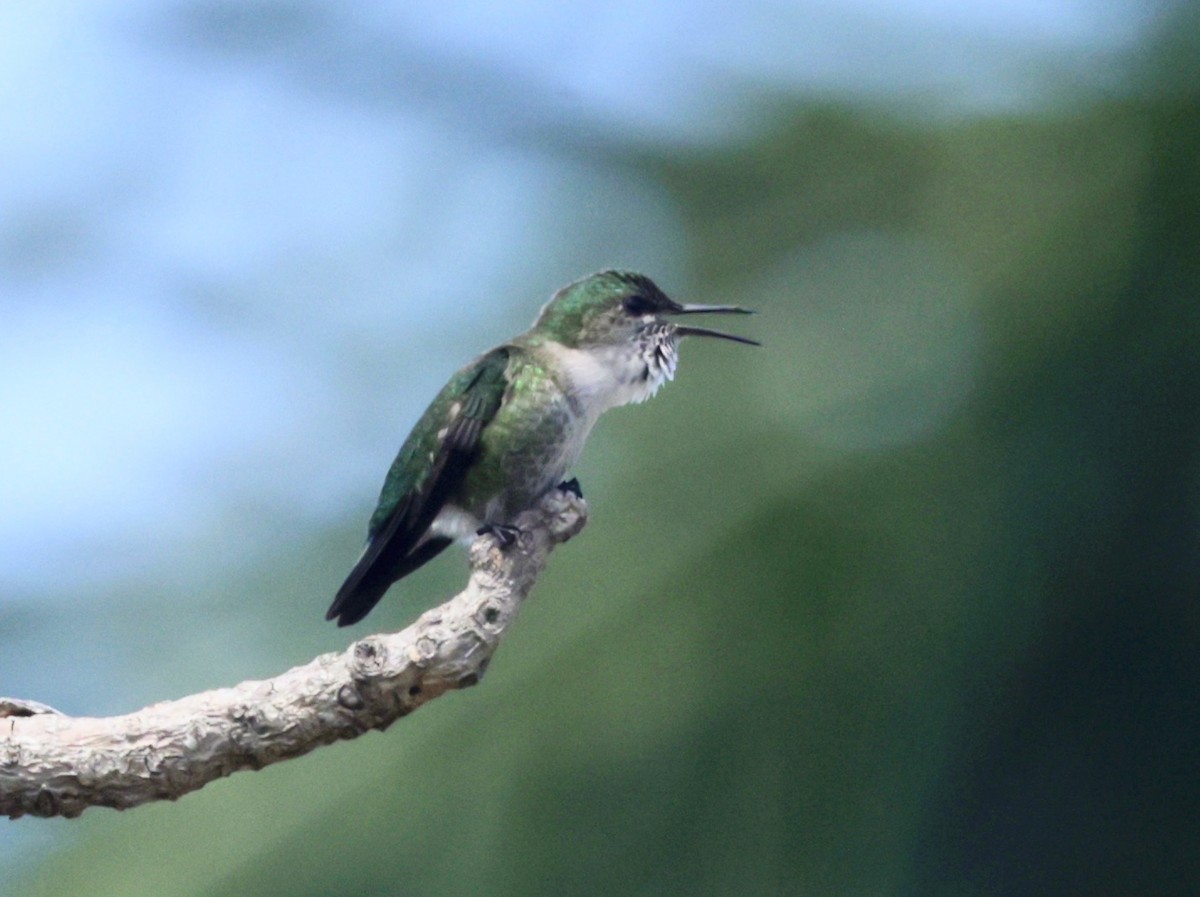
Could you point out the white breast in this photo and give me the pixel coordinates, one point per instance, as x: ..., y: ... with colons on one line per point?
x: 606, y: 378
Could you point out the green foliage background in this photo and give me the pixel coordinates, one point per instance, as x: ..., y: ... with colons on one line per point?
x: 904, y: 603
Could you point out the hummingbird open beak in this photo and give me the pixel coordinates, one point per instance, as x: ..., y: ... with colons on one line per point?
x: 684, y: 330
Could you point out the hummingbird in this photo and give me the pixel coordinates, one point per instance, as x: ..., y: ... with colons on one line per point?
x: 509, y: 426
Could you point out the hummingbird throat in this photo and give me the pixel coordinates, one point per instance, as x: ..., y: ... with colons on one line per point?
x: 640, y: 370
x: 659, y: 355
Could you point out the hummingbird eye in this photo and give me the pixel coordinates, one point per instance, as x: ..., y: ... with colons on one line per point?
x: 638, y: 305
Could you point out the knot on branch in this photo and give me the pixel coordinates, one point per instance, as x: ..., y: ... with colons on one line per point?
x: 19, y: 707
x: 561, y: 513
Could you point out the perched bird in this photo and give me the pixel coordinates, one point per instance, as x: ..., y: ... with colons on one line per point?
x: 508, y: 426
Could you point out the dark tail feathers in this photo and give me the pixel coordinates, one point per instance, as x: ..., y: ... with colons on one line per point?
x: 373, y: 575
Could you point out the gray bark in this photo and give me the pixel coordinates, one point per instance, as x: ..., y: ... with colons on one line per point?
x: 57, y: 765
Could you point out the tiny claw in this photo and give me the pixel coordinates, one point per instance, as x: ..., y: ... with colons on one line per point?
x: 505, y: 534
x: 572, y: 486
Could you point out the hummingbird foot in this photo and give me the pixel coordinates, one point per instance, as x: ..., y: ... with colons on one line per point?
x: 572, y: 486
x: 505, y: 534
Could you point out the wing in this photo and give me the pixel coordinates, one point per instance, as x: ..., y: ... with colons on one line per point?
x: 430, y: 466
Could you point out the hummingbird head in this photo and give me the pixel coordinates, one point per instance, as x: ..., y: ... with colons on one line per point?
x: 613, y: 310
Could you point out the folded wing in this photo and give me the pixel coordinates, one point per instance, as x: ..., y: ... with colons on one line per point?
x: 430, y: 466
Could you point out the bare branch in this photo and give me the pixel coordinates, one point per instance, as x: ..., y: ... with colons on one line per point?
x: 57, y: 765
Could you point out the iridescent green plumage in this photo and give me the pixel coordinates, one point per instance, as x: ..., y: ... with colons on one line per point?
x: 508, y: 426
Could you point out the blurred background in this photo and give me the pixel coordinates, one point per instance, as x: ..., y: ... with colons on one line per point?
x: 903, y: 604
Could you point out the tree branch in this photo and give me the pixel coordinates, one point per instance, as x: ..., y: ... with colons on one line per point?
x: 57, y: 765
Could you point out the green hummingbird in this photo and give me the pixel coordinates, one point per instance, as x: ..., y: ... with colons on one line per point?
x: 508, y: 426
